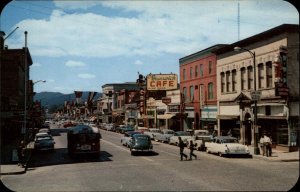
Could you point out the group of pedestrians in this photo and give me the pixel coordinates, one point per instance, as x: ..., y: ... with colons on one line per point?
x: 266, y: 145
x: 181, y: 148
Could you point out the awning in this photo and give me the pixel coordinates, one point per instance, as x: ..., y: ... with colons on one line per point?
x: 227, y: 117
x: 165, y: 116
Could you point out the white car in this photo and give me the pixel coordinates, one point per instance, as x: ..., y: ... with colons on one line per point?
x: 226, y: 145
x: 164, y: 135
x: 199, y: 141
x: 184, y: 136
x: 152, y: 132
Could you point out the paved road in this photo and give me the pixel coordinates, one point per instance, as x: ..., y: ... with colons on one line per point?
x: 117, y: 170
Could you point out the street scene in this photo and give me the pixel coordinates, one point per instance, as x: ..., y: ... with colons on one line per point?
x: 149, y: 95
x: 116, y: 170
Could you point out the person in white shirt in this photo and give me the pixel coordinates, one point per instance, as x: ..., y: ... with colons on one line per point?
x: 262, y: 145
x: 268, y: 143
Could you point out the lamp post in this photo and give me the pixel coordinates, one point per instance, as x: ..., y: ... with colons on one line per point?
x: 255, y: 96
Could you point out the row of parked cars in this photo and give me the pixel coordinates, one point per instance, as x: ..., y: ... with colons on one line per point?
x: 203, y: 139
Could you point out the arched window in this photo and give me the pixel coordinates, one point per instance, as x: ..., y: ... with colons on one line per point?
x: 260, y: 75
x: 228, y: 81
x: 233, y: 72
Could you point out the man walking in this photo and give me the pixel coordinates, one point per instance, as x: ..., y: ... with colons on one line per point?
x: 192, y: 146
x: 181, y: 147
x: 21, y: 154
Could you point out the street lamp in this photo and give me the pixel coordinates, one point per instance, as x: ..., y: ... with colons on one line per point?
x: 238, y: 49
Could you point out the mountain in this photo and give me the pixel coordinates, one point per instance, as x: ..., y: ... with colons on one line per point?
x: 55, y: 98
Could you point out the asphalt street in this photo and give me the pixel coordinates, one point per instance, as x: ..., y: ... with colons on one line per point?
x: 162, y: 170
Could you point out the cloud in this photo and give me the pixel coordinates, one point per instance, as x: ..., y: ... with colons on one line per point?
x: 138, y: 62
x: 72, y: 63
x: 158, y: 28
x: 86, y: 76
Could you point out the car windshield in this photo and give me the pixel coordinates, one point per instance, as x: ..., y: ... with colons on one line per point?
x: 43, y: 138
x: 230, y: 141
x: 142, y: 137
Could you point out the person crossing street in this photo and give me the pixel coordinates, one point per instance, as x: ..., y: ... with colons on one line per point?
x: 192, y: 147
x: 181, y: 147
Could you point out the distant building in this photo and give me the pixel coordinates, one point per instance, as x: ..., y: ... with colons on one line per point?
x: 277, y: 79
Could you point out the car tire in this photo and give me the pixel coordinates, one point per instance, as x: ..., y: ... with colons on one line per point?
x: 207, y: 151
x: 220, y: 154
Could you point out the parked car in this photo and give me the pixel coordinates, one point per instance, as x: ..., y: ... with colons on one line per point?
x: 152, y: 132
x: 126, y: 129
x: 43, y: 141
x: 109, y: 127
x: 184, y: 136
x: 164, y: 135
x: 226, y: 145
x: 45, y: 130
x: 199, y: 141
x: 127, y: 136
x: 140, y: 142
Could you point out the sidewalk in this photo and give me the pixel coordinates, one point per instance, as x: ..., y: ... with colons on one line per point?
x: 277, y: 155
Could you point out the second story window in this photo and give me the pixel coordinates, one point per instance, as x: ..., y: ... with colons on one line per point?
x: 222, y: 82
x: 184, y: 94
x: 209, y: 67
x: 196, y: 71
x: 201, y: 70
x: 184, y: 74
x: 250, y: 77
x: 192, y: 93
x: 233, y: 80
x: 191, y: 72
x: 260, y: 75
x: 243, y: 79
x: 210, y: 90
x: 269, y: 74
x: 228, y: 81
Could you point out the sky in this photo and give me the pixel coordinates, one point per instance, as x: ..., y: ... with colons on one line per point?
x: 83, y: 45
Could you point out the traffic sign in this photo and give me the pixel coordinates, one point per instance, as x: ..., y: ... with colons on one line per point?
x: 255, y: 95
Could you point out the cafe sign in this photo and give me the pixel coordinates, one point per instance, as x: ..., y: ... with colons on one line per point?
x: 157, y: 82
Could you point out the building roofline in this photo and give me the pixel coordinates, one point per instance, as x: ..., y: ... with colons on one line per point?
x: 200, y: 54
x: 281, y: 29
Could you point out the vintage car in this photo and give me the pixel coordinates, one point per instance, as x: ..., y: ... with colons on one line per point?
x: 43, y: 141
x: 140, y: 142
x: 164, y: 135
x: 152, y: 132
x: 226, y: 145
x: 184, y: 136
x: 199, y: 141
x: 127, y: 136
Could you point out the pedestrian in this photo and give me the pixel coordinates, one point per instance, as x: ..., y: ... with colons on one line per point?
x: 192, y: 146
x: 262, y: 145
x: 21, y: 153
x: 181, y: 147
x: 268, y: 143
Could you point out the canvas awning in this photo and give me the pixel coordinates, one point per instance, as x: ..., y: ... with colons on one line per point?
x: 165, y: 116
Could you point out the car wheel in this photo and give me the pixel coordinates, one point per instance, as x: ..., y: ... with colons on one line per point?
x: 207, y: 151
x: 220, y: 154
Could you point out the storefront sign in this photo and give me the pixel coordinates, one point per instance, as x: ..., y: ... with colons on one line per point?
x: 162, y: 81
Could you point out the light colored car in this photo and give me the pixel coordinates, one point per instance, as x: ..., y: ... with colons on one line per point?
x: 164, y: 135
x: 199, y: 141
x: 43, y: 141
x: 226, y: 145
x: 152, y: 132
x: 184, y: 136
x: 127, y: 136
